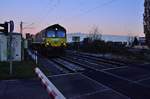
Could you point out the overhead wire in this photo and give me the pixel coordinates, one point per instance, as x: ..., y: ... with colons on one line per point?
x: 92, y: 9
x: 53, y: 5
x: 99, y: 6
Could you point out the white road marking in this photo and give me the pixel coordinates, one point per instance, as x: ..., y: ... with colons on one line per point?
x: 147, y: 78
x: 114, y: 68
x: 63, y: 74
x: 88, y: 94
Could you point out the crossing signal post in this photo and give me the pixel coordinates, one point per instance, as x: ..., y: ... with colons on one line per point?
x: 11, y: 28
x: 8, y: 28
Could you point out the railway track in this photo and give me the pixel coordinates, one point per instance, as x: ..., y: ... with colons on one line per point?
x: 51, y: 66
x: 62, y: 64
x: 96, y: 59
x: 71, y: 67
x: 99, y: 72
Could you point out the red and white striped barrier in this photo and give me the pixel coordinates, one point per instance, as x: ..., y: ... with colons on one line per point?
x: 53, y: 92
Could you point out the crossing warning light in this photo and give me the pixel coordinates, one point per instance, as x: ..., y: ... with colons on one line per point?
x: 5, y: 28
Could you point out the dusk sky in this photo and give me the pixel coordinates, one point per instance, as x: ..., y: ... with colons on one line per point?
x: 117, y: 17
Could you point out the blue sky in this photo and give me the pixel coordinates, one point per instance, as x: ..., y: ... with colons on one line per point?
x: 117, y: 17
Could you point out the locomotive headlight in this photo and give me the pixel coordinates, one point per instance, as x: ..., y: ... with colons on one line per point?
x: 47, y: 43
x: 64, y: 44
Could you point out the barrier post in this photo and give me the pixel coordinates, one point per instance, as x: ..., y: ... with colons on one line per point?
x: 36, y: 58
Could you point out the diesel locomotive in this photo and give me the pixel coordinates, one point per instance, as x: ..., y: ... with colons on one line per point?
x: 50, y: 41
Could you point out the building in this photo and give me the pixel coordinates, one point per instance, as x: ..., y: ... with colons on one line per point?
x: 76, y: 37
x: 15, y: 47
x: 147, y: 21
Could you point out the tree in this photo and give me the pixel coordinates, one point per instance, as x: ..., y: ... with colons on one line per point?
x: 95, y: 34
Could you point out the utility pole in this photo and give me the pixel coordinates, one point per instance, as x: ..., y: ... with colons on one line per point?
x: 21, y: 27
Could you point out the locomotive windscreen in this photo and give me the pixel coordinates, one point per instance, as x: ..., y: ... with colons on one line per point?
x: 58, y: 34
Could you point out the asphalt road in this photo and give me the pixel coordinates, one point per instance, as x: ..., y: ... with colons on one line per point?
x: 78, y: 86
x: 22, y: 89
x: 121, y: 83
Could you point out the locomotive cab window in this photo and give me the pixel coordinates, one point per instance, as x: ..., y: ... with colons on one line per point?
x: 50, y: 34
x: 60, y: 34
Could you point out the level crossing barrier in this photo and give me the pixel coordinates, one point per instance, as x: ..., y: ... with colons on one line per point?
x: 53, y: 92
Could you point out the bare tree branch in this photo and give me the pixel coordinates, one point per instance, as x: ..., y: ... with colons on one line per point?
x: 95, y: 34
